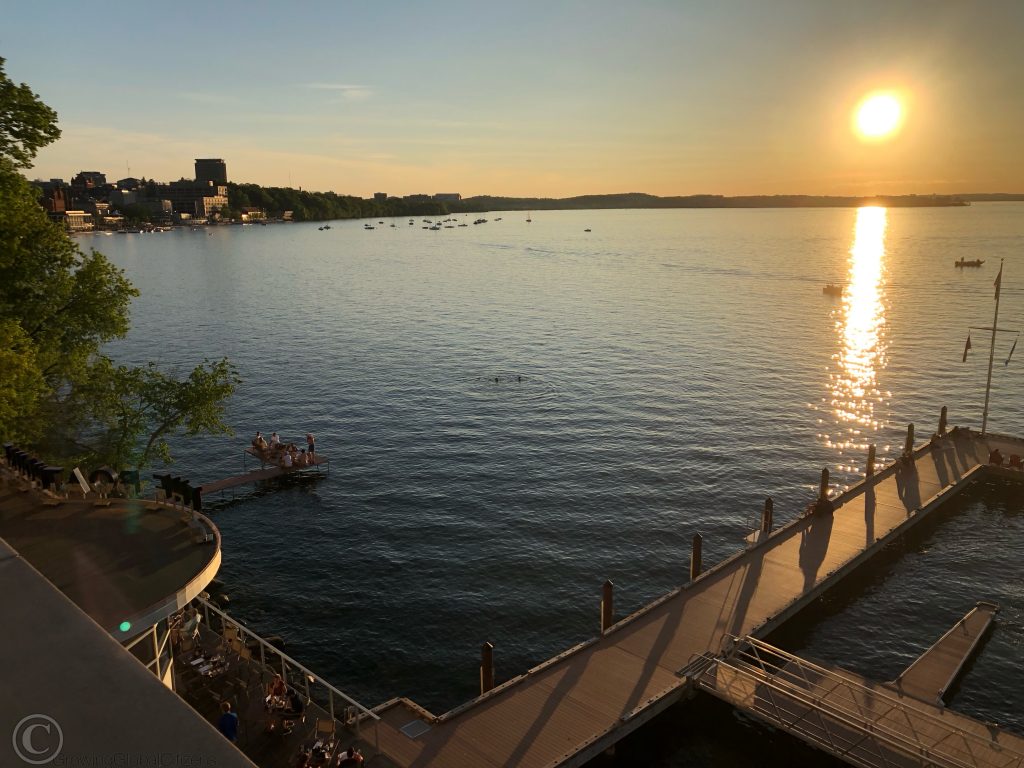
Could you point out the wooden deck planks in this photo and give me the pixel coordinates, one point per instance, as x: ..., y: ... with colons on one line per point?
x: 931, y: 675
x: 546, y: 718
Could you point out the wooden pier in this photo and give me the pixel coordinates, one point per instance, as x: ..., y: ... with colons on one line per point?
x: 573, y: 707
x: 935, y: 671
x: 263, y: 473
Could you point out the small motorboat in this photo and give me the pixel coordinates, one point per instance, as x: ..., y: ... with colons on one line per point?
x: 965, y: 263
x: 832, y: 290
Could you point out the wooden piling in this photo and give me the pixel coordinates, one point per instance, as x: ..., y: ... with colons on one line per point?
x: 823, y: 487
x: 942, y: 422
x: 695, y: 556
x: 767, y: 517
x: 486, y: 667
x: 607, y: 606
x: 908, y: 447
x: 870, y: 469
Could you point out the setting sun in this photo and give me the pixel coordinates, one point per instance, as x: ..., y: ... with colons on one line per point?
x: 878, y: 116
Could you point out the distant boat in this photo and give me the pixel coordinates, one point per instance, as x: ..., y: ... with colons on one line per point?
x: 528, y: 217
x: 964, y: 263
x: 832, y: 290
x: 586, y: 230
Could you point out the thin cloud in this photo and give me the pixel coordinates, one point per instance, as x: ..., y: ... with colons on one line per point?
x: 345, y: 90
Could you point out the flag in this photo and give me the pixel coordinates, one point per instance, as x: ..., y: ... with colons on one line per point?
x: 967, y: 348
x: 1011, y: 351
x: 999, y: 281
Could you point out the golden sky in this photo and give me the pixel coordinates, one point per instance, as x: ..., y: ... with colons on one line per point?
x: 534, y: 99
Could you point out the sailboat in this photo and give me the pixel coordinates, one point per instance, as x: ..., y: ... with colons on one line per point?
x: 529, y: 214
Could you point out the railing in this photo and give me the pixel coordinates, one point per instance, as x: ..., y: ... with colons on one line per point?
x: 831, y: 710
x: 354, y: 712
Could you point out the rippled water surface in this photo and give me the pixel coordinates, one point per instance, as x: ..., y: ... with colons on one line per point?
x: 516, y: 412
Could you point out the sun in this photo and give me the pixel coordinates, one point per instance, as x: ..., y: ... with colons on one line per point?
x: 878, y: 116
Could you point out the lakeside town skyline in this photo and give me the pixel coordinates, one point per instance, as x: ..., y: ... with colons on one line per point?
x: 736, y: 99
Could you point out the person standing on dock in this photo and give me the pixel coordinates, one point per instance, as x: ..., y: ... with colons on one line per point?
x: 310, y: 444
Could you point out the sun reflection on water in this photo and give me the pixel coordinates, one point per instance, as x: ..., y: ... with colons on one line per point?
x: 855, y: 401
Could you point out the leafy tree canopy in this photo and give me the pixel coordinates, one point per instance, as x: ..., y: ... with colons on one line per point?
x: 26, y: 124
x: 58, y: 306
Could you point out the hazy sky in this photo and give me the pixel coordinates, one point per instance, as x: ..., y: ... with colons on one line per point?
x: 527, y: 98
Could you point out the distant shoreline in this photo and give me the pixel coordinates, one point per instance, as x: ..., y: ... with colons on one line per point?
x: 323, y: 206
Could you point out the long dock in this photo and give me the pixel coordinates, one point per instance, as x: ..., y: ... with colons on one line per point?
x: 573, y: 707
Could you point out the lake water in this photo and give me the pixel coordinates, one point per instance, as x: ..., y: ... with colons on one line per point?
x: 515, y: 412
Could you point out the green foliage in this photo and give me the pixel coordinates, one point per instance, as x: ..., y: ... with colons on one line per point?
x: 22, y: 384
x: 67, y: 303
x: 130, y: 412
x: 138, y: 214
x: 26, y: 124
x: 58, y: 306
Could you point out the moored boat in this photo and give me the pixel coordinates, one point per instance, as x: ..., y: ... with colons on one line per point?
x: 965, y: 263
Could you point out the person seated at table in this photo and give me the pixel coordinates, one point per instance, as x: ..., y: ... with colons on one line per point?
x: 286, y: 460
x: 293, y: 709
x: 349, y: 758
x: 274, y: 440
x: 276, y: 688
x: 303, y: 458
x: 295, y: 705
x: 996, y: 457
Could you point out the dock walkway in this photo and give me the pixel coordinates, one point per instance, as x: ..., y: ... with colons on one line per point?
x: 264, y: 473
x: 935, y: 671
x: 574, y: 706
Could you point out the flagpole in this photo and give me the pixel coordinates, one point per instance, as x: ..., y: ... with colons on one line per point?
x: 992, y: 349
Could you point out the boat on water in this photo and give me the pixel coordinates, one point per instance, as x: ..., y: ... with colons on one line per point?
x: 833, y: 290
x: 965, y: 263
x: 529, y: 217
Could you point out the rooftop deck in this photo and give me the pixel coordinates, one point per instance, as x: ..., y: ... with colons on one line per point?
x: 117, y: 559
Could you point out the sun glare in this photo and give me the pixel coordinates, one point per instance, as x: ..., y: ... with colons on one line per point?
x: 878, y: 116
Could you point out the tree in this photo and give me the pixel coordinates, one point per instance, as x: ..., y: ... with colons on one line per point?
x: 132, y: 411
x: 26, y: 124
x: 58, y: 306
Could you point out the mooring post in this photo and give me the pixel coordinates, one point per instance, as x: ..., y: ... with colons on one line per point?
x: 766, y: 517
x: 486, y: 667
x: 607, y: 606
x: 908, y: 447
x: 823, y: 504
x: 695, y: 556
x: 942, y: 422
x: 870, y: 470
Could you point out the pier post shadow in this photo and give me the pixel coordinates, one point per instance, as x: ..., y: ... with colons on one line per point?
x: 908, y: 485
x: 814, y: 540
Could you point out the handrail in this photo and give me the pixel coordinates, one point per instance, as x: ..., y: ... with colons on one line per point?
x: 825, y: 700
x: 207, y: 606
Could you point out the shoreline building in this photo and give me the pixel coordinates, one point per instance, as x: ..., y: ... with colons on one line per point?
x: 211, y: 169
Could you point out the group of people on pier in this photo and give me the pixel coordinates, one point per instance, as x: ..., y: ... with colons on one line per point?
x: 285, y: 455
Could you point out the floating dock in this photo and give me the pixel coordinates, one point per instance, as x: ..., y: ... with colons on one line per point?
x: 576, y: 705
x: 264, y: 473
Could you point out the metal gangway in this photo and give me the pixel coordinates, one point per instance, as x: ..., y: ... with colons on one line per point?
x: 863, y: 723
